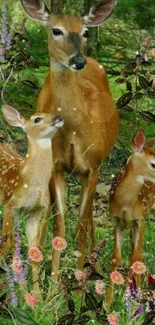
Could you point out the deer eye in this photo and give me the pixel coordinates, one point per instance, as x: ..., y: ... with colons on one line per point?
x: 86, y: 33
x: 57, y: 32
x: 38, y: 119
x: 153, y: 165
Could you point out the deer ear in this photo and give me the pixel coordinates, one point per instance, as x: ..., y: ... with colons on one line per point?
x: 12, y: 116
x: 36, y: 9
x: 138, y: 141
x: 97, y: 15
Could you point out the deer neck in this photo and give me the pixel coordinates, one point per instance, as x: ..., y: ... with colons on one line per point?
x: 37, y: 165
x: 65, y: 89
x: 132, y: 181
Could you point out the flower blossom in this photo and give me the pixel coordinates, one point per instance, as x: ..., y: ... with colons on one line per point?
x: 153, y: 52
x: 138, y: 267
x: 99, y: 287
x: 17, y: 264
x: 35, y: 254
x: 31, y: 299
x: 59, y: 243
x: 116, y: 277
x: 113, y: 319
x: 79, y: 275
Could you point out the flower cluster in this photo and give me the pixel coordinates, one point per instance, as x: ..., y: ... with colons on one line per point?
x: 133, y: 292
x: 6, y: 36
x: 99, y: 287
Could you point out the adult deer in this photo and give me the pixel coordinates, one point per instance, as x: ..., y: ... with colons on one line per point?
x: 132, y: 196
x: 24, y: 186
x: 77, y: 87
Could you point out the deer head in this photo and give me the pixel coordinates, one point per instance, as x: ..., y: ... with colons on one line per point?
x: 67, y: 34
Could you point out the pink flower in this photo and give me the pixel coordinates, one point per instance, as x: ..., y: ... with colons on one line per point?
x: 153, y: 52
x: 113, y: 319
x: 59, y: 243
x: 79, y: 275
x: 153, y: 83
x: 35, y: 254
x: 31, y: 299
x: 116, y: 277
x: 138, y: 267
x: 17, y: 264
x: 99, y: 287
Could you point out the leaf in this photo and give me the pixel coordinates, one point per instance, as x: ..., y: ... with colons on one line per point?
x: 29, y: 84
x: 148, y: 116
x: 23, y: 317
x: 82, y: 320
x: 130, y: 66
x: 129, y: 86
x: 64, y: 319
x: 138, y: 95
x: 119, y: 80
x: 144, y: 83
x: 95, y: 276
x: 54, y: 304
x: 71, y: 320
x: 71, y: 305
x: 91, y: 301
x: 128, y: 108
x: 124, y: 100
x: 102, y: 318
x: 149, y: 317
x: 151, y: 94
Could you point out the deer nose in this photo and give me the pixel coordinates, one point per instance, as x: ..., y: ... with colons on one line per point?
x: 77, y: 62
x: 58, y: 121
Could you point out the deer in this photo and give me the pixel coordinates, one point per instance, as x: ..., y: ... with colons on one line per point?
x: 77, y: 88
x: 24, y: 186
x: 132, y: 196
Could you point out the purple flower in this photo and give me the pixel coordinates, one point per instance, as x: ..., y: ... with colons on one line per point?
x: 14, y: 301
x: 4, y: 23
x: 9, y: 38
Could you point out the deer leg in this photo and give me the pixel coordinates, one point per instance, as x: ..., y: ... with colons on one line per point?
x: 85, y: 223
x: 137, y: 234
x: 116, y: 256
x: 32, y: 231
x: 8, y: 219
x: 57, y: 188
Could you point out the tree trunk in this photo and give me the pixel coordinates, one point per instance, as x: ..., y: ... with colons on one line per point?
x: 92, y: 41
x: 57, y: 6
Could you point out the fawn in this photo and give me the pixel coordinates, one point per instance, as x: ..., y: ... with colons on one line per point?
x: 78, y: 87
x: 24, y: 186
x: 132, y: 196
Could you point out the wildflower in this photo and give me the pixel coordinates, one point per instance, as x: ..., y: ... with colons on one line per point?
x: 77, y: 254
x: 113, y: 319
x: 35, y: 254
x: 153, y: 52
x: 79, y: 275
x: 153, y: 83
x: 116, y: 277
x: 99, y: 287
x: 14, y: 300
x: 31, y: 299
x: 59, y: 243
x: 17, y: 264
x: 138, y: 267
